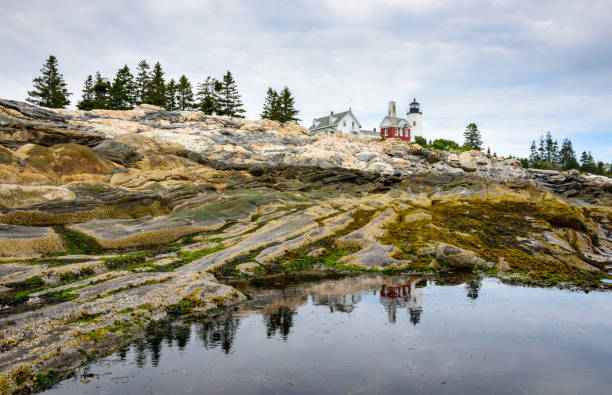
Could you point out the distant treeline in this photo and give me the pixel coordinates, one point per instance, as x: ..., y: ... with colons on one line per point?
x: 549, y: 155
x: 148, y: 86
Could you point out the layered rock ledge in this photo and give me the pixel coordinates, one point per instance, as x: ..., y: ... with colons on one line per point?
x: 113, y: 220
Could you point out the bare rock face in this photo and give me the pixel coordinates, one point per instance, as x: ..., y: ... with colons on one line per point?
x: 117, y: 152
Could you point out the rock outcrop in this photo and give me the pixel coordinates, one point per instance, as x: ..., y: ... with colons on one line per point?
x: 110, y: 220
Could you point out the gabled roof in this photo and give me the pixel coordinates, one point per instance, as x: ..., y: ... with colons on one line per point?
x: 393, y: 121
x: 325, y: 122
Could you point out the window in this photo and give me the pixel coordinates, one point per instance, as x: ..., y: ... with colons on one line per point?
x: 353, y: 124
x: 344, y: 123
x: 385, y: 130
x: 413, y: 123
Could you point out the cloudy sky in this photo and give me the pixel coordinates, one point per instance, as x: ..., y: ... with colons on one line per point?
x: 516, y: 68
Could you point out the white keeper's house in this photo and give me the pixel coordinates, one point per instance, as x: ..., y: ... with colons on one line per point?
x: 345, y: 122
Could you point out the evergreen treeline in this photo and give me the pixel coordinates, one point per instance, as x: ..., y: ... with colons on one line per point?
x: 149, y: 86
x: 279, y: 106
x: 548, y: 154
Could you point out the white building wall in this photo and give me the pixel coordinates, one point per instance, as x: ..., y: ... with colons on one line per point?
x: 348, y: 124
x: 415, y: 123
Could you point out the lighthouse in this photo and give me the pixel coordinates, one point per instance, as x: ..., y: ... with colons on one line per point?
x: 414, y: 116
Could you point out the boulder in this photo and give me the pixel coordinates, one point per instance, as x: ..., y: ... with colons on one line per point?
x: 117, y: 152
x: 467, y: 161
x: 456, y: 257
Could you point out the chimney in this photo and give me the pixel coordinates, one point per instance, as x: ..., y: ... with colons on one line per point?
x: 392, y: 109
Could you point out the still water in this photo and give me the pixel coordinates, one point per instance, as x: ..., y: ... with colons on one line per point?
x: 370, y: 334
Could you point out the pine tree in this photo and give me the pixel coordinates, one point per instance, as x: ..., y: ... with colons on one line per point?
x: 555, y: 153
x: 157, y: 87
x: 287, y: 106
x: 472, y: 137
x: 271, y: 105
x: 542, y: 150
x: 534, y: 157
x: 142, y: 82
x: 207, y: 96
x: 548, y: 148
x: 171, y: 89
x: 567, y: 156
x: 587, y: 164
x: 87, y: 98
x: 49, y: 89
x: 184, y: 94
x: 100, y: 92
x: 229, y: 98
x: 121, y: 92
x: 600, y: 168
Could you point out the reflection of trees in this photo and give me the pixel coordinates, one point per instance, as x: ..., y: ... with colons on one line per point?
x: 219, y: 333
x: 415, y: 315
x: 472, y: 288
x: 280, y: 321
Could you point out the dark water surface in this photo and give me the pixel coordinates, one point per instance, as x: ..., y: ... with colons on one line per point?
x: 372, y: 334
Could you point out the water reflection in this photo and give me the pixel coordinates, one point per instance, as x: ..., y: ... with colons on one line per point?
x: 220, y: 333
x: 472, y: 288
x: 280, y: 321
x: 406, y: 296
x: 355, y: 335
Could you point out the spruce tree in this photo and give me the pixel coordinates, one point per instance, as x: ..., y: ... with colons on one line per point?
x: 142, y: 82
x: 87, y: 98
x: 100, y: 92
x: 567, y: 156
x: 534, y: 157
x: 229, y: 98
x: 287, y: 106
x: 184, y: 94
x: 121, y: 92
x: 472, y: 137
x: 271, y: 105
x: 171, y: 89
x: 207, y: 96
x: 587, y: 164
x: 50, y: 88
x: 549, y: 148
x: 157, y: 87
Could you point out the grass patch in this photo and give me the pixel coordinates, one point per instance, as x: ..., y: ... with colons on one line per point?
x: 95, y: 188
x: 77, y: 242
x: 125, y: 261
x: 119, y: 326
x: 45, y: 380
x: 84, y: 317
x: 55, y: 297
x: 28, y: 283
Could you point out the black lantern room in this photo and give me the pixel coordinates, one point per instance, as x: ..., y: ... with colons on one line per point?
x: 415, y: 107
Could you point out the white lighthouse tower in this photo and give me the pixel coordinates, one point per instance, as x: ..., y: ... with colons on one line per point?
x: 415, y: 119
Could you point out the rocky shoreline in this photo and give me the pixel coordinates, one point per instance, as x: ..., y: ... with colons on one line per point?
x: 113, y: 220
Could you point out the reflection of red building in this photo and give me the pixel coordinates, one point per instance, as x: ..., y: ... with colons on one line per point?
x: 408, y: 295
x: 396, y: 292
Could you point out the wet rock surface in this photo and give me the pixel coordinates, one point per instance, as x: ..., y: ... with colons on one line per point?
x: 113, y: 220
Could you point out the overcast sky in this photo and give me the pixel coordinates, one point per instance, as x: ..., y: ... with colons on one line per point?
x: 516, y: 68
